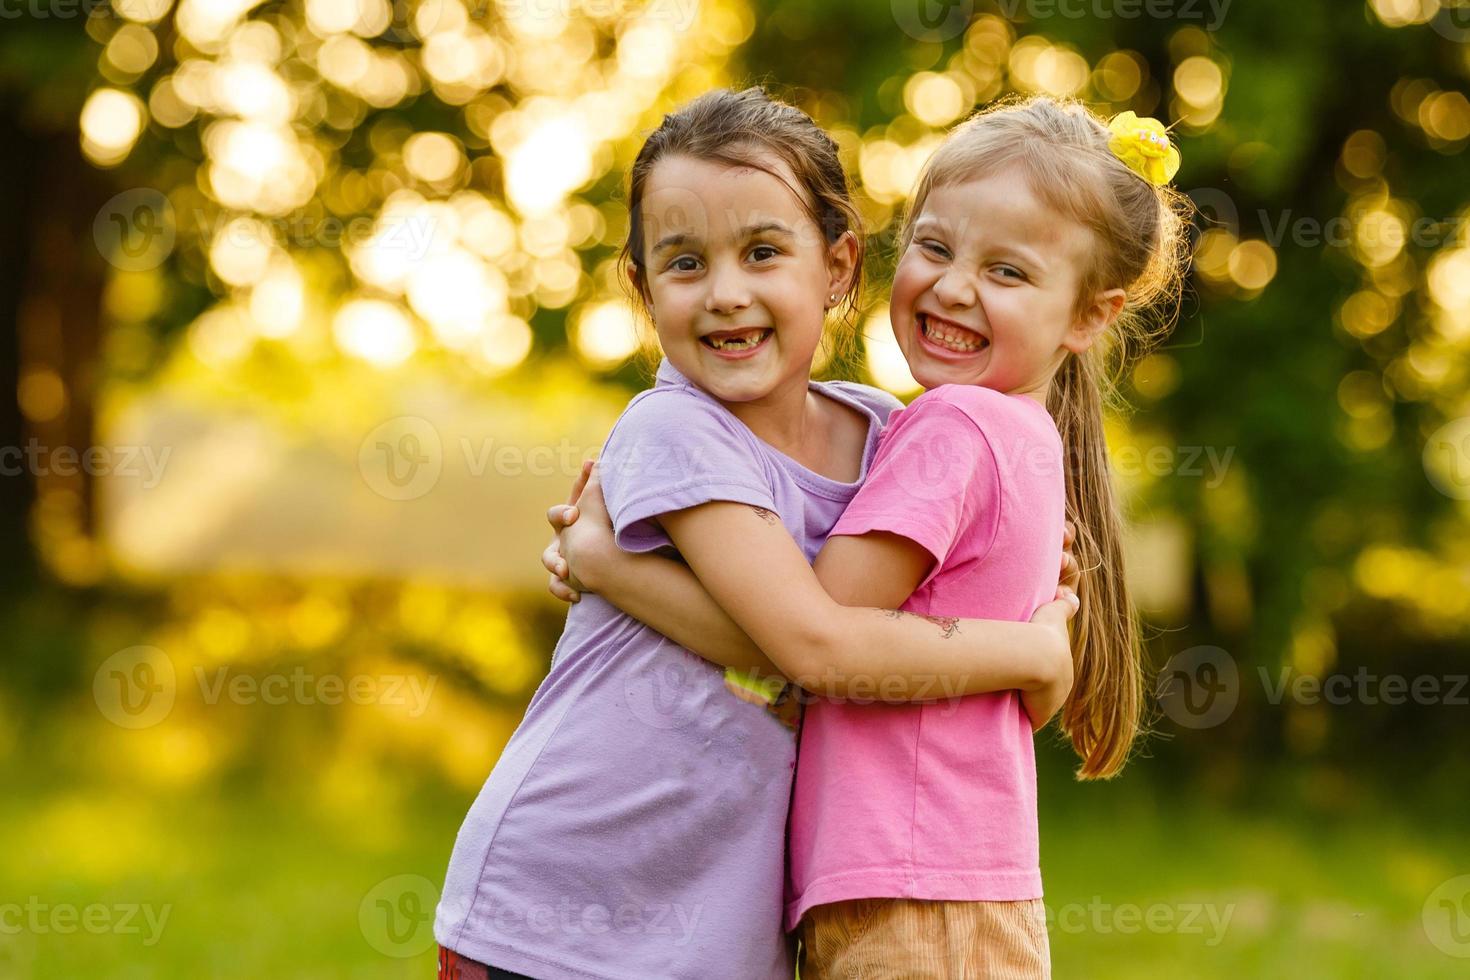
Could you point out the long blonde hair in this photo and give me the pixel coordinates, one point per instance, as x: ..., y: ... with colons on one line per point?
x: 1140, y: 246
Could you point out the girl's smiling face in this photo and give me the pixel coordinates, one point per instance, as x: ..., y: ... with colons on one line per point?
x: 986, y: 293
x: 737, y: 275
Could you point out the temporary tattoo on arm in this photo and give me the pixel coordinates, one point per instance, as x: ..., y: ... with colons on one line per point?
x: 948, y: 625
x: 765, y: 515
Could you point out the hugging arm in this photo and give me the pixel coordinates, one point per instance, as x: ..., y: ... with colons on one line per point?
x: 651, y: 588
x: 752, y: 602
x: 754, y: 570
x: 880, y: 568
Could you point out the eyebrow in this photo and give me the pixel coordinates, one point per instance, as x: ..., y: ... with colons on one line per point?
x: 1028, y: 255
x: 671, y: 241
x: 749, y: 231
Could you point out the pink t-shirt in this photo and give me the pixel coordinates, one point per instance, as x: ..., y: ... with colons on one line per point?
x: 937, y: 800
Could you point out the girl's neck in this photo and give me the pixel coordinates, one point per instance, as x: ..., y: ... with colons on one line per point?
x: 783, y: 419
x: 1038, y: 392
x: 1039, y: 389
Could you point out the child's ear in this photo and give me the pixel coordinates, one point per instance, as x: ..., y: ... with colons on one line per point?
x: 842, y: 261
x: 635, y: 276
x: 1094, y: 319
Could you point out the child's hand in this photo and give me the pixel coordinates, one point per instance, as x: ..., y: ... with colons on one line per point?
x: 584, y: 543
x: 1044, y: 702
x: 1071, y: 574
x: 588, y: 545
x: 561, y: 516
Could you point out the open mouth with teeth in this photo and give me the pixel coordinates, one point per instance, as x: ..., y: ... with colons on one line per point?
x: 736, y: 341
x: 951, y: 336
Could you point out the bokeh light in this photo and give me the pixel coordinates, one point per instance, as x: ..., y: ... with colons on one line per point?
x: 375, y: 331
x: 389, y: 210
x: 111, y: 122
x: 883, y: 357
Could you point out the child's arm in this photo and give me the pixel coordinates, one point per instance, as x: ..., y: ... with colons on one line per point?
x: 757, y: 574
x: 776, y: 600
x: 653, y: 589
x: 880, y: 568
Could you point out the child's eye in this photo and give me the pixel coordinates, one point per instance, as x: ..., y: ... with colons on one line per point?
x: 934, y: 248
x: 684, y: 263
x: 763, y: 252
x: 1011, y: 272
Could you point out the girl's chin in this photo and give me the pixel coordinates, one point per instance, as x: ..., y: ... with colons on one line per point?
x: 932, y: 374
x: 744, y: 378
x: 749, y: 383
x: 718, y: 375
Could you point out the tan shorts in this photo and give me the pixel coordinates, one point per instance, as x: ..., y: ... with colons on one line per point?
x: 914, y: 939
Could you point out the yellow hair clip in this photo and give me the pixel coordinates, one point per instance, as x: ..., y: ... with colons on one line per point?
x: 1143, y: 145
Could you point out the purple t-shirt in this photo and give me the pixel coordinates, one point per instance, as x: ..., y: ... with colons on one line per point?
x: 635, y: 825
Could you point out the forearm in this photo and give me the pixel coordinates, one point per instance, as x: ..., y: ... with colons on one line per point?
x: 879, y: 570
x: 898, y: 656
x: 665, y: 594
x: 759, y: 576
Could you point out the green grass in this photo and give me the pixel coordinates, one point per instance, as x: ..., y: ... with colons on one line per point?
x: 278, y: 842
x: 1260, y: 896
x: 265, y: 883
x: 254, y: 887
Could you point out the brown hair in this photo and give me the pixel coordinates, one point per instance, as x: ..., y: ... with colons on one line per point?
x: 745, y: 129
x: 1140, y: 246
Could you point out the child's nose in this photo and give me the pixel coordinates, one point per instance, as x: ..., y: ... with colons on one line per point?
x: 728, y: 291
x: 956, y: 289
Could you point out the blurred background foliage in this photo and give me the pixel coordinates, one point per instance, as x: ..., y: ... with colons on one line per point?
x: 251, y: 239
